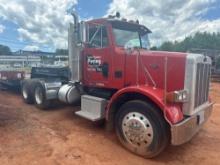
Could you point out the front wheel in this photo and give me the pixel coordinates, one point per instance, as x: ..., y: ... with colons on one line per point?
x: 142, y: 129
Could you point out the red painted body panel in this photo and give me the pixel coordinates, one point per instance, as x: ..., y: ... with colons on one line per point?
x: 119, y: 60
x: 154, y: 62
x: 141, y: 71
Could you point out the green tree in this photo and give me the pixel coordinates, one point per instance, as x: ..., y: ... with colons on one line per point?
x: 5, y: 50
x: 197, y: 41
x: 167, y: 46
x: 154, y: 48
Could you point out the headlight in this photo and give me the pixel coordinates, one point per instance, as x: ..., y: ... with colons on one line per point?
x: 177, y: 96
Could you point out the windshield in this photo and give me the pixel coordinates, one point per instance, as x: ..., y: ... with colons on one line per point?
x: 125, y: 37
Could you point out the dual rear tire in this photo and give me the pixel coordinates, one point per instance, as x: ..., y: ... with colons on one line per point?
x: 40, y: 97
x: 34, y: 93
x: 27, y: 92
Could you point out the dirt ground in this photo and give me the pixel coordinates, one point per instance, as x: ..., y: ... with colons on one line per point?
x: 30, y: 136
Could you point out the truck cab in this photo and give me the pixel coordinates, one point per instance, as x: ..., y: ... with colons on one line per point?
x: 150, y: 98
x: 105, y: 54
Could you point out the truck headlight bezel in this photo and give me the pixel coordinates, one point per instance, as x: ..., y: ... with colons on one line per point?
x: 177, y: 96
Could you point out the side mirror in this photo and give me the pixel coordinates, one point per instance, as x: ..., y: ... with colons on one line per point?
x: 129, y: 48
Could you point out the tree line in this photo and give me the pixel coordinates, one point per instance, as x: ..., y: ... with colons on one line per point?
x: 199, y: 40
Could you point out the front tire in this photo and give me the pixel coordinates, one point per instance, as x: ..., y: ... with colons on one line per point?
x: 142, y: 129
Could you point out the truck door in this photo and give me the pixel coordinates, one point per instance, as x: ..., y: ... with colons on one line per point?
x: 97, y: 56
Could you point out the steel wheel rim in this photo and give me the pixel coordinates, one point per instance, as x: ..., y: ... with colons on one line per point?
x: 38, y: 95
x: 137, y: 130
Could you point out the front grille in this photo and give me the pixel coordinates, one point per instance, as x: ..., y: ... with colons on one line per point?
x: 202, y: 84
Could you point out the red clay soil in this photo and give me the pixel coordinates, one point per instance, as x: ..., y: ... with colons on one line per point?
x: 30, y: 136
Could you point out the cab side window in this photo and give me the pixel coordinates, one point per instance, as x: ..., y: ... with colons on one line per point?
x: 98, y: 37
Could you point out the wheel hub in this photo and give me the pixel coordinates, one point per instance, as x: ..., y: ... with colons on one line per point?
x: 137, y: 129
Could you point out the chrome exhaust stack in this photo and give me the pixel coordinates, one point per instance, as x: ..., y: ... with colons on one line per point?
x: 74, y: 50
x: 71, y: 92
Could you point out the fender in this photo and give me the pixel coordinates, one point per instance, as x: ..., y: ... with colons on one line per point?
x: 172, y: 112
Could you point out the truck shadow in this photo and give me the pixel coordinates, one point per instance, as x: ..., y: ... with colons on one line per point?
x: 172, y: 154
x: 56, y: 105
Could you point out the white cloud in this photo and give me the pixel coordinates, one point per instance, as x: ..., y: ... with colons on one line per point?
x: 40, y: 21
x: 46, y: 22
x: 31, y: 48
x: 168, y: 19
x: 2, y: 28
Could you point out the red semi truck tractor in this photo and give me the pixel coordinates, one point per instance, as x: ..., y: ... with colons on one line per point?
x: 150, y: 98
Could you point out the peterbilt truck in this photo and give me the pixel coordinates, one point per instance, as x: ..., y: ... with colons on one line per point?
x: 149, y: 98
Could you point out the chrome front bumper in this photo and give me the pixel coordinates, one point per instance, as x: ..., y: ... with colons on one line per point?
x: 185, y: 130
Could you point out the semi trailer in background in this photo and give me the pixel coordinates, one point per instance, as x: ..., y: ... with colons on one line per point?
x: 11, y: 79
x: 150, y: 98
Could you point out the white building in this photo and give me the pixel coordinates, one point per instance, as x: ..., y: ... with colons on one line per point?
x: 19, y: 61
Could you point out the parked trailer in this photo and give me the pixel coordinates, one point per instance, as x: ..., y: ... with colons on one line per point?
x: 11, y: 79
x: 151, y: 99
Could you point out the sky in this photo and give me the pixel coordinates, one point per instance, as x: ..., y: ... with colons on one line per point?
x: 42, y: 25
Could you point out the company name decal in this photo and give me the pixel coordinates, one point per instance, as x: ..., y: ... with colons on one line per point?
x: 94, y: 63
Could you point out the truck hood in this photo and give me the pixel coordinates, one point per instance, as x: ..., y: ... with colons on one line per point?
x: 153, y: 66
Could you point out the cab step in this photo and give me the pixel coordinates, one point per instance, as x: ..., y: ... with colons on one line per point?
x: 92, y: 108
